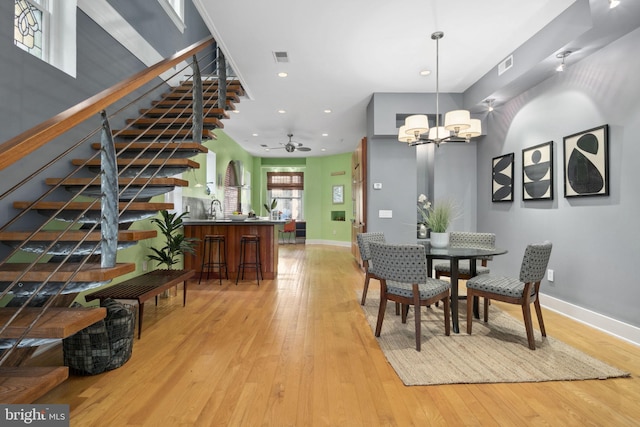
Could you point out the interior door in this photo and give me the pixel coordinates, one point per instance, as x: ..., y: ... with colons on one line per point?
x: 359, y: 194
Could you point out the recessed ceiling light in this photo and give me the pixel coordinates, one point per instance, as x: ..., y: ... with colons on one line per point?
x: 613, y: 3
x: 325, y: 134
x: 425, y: 72
x: 323, y: 149
x: 254, y: 134
x: 236, y: 111
x: 327, y: 110
x: 282, y: 111
x: 282, y: 74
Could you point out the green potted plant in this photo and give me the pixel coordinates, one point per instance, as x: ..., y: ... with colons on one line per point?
x: 175, y: 242
x: 271, y: 207
x: 437, y: 219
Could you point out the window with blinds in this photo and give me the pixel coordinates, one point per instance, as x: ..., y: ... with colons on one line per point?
x: 287, y: 188
x: 285, y: 180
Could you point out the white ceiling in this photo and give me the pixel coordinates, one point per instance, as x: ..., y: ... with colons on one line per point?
x: 342, y: 51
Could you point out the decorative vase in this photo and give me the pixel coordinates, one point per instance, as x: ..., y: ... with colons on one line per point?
x: 422, y: 231
x: 439, y: 240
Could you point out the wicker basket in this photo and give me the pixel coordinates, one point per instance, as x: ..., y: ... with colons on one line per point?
x: 103, y: 346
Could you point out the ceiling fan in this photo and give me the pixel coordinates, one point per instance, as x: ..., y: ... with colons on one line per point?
x: 290, y: 146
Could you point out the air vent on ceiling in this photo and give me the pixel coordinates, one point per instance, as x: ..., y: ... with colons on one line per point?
x: 505, y: 65
x: 281, y: 56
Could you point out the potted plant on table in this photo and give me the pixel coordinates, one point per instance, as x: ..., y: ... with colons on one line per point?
x: 271, y: 208
x: 437, y: 219
x: 175, y: 243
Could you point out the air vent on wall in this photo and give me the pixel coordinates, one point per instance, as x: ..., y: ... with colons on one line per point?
x: 281, y: 56
x: 505, y: 65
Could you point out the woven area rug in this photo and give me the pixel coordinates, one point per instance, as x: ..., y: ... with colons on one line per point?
x: 496, y: 352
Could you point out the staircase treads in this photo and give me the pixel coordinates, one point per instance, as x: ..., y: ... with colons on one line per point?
x: 132, y: 182
x: 209, y: 86
x: 161, y: 133
x: 80, y: 206
x: 220, y: 113
x: 186, y: 91
x: 193, y: 147
x: 208, y: 96
x: 89, y: 272
x: 56, y: 322
x: 26, y: 384
x: 207, y: 122
x: 141, y: 162
x: 136, y: 211
x: 184, y: 103
x: 75, y: 235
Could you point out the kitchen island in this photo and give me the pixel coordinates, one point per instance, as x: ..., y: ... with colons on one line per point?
x: 232, y: 231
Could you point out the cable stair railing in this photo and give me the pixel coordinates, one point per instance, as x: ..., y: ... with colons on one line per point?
x: 65, y: 240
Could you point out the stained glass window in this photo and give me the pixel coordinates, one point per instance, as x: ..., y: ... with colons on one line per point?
x: 29, y: 27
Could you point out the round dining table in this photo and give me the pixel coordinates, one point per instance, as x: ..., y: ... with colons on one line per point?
x: 454, y: 255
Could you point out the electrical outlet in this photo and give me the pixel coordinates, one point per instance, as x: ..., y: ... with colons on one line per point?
x: 550, y: 275
x: 144, y: 265
x: 334, y: 232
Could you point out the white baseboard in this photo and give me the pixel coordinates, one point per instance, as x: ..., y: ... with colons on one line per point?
x: 613, y: 327
x: 328, y: 242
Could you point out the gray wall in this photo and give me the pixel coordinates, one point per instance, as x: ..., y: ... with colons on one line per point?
x: 595, y: 238
x: 445, y: 172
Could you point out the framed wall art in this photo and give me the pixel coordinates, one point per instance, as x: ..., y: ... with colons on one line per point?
x: 502, y: 178
x: 586, y: 163
x: 338, y: 194
x: 537, y: 172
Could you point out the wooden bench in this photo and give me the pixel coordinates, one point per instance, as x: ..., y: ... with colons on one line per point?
x: 144, y: 287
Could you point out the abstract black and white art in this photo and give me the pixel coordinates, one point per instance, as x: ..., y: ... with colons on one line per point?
x: 502, y: 178
x: 537, y: 172
x: 586, y: 163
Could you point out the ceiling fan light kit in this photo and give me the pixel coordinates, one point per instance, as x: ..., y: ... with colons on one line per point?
x: 458, y: 124
x: 290, y: 146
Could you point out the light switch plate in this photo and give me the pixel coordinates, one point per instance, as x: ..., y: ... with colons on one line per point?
x: 377, y: 186
x: 385, y: 213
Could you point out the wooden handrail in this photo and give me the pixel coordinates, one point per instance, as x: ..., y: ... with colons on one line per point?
x: 25, y: 143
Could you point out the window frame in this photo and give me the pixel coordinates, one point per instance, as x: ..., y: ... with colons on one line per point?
x: 175, y: 10
x: 58, y: 34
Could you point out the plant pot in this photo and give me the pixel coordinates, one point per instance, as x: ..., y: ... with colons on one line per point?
x: 439, y: 240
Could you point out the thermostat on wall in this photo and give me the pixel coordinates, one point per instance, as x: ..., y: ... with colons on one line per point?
x: 377, y: 186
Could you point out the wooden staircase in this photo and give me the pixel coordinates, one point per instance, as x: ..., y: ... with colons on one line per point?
x: 156, y: 146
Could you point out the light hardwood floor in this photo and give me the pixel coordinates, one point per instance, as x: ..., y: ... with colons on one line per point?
x: 297, y: 351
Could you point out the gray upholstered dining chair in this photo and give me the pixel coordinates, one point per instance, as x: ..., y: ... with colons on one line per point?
x: 523, y: 290
x: 402, y: 271
x: 363, y: 240
x: 463, y: 239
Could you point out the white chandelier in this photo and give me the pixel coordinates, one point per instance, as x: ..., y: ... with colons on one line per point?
x: 458, y: 124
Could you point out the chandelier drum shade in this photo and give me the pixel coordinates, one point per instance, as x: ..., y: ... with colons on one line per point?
x: 458, y: 124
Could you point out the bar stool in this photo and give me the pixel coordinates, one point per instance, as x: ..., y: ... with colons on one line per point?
x: 208, y: 262
x: 246, y: 241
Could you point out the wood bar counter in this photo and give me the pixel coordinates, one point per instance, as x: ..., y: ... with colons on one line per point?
x: 232, y: 230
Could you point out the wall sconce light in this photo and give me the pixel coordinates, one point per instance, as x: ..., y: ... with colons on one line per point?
x: 562, y: 55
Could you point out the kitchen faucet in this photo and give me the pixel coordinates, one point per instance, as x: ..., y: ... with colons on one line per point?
x: 212, y: 209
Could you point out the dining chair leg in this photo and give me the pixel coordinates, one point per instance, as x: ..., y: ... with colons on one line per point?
x: 528, y: 325
x: 469, y: 316
x: 364, y: 291
x: 536, y: 304
x: 405, y: 312
x: 486, y: 310
x: 447, y: 314
x: 381, y: 310
x: 416, y: 309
